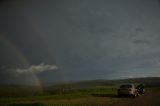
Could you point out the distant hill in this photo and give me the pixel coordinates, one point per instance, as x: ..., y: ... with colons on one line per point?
x: 148, y: 81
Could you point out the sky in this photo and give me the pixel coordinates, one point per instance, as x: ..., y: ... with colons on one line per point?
x: 74, y: 40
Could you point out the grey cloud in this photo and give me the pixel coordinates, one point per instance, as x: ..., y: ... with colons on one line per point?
x: 141, y: 42
x: 139, y: 30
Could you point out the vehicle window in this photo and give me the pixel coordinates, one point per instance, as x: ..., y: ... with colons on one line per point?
x: 126, y: 86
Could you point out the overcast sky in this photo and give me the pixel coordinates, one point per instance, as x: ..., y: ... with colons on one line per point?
x: 71, y: 40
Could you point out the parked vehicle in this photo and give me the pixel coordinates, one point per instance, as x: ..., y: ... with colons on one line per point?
x: 141, y: 89
x: 128, y: 89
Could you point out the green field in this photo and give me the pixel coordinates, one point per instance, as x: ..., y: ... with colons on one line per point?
x: 85, y: 96
x: 94, y: 93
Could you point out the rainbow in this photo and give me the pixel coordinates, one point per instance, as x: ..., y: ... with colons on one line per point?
x: 18, y: 54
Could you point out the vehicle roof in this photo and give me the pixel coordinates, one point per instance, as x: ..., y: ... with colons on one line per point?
x: 128, y: 84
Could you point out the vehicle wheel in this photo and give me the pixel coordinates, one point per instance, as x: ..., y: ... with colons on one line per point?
x: 144, y: 92
x: 137, y: 94
x: 119, y: 95
x: 134, y: 95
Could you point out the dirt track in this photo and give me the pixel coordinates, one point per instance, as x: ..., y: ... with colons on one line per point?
x: 148, y: 99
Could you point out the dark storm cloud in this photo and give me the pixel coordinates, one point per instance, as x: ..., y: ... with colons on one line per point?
x: 141, y: 42
x: 86, y: 39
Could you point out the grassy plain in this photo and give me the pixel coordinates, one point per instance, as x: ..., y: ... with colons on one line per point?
x: 86, y: 96
x: 80, y: 94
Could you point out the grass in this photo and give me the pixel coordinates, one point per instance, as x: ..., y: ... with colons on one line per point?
x: 153, y: 89
x: 89, y: 96
x: 65, y: 96
x: 89, y: 101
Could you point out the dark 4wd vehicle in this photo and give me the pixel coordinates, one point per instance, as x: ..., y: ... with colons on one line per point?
x: 141, y: 89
